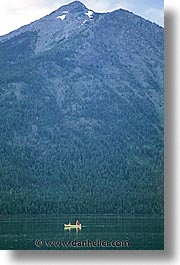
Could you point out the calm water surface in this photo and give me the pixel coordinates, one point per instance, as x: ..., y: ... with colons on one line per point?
x: 21, y: 232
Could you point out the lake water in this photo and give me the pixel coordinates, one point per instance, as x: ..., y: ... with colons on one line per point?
x: 98, y: 232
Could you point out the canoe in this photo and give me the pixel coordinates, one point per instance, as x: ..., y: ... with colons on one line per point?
x: 72, y: 226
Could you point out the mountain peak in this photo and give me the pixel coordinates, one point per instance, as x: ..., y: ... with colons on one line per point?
x: 74, y: 6
x: 81, y: 103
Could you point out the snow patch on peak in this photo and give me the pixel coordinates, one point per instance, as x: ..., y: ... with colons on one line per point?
x: 62, y: 17
x: 89, y: 14
x: 84, y: 22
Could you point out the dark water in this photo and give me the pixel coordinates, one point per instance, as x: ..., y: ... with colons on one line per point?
x: 21, y: 232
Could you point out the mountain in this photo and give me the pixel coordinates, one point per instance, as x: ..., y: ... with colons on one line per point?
x: 81, y: 124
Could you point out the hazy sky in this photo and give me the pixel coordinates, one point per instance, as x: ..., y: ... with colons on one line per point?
x: 16, y: 13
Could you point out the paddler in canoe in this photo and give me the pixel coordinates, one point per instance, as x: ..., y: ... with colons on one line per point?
x: 76, y: 225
